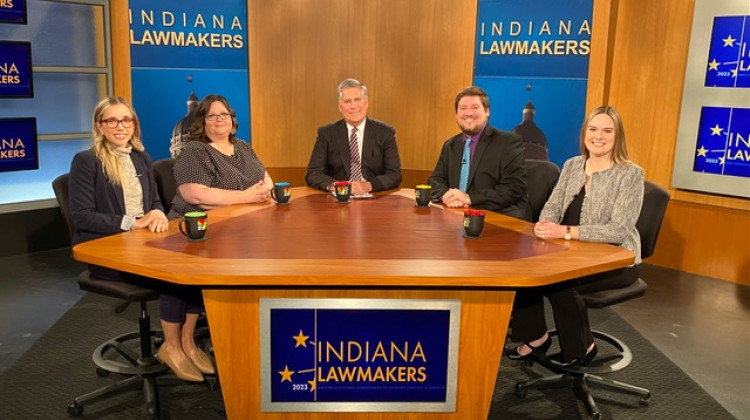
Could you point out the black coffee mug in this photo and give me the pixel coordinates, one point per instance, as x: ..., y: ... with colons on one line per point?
x: 281, y: 192
x: 193, y: 225
x: 423, y: 195
x: 473, y: 223
x: 342, y: 190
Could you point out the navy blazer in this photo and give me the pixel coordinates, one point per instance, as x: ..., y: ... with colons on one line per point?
x: 329, y: 161
x: 96, y: 205
x: 497, y: 172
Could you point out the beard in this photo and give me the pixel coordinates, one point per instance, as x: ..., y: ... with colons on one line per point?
x: 470, y: 131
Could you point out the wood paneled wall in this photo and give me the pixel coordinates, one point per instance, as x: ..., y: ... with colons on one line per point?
x: 638, y: 58
x: 414, y: 56
x: 118, y: 16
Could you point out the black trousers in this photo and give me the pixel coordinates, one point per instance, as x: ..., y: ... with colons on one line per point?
x: 568, y: 308
x: 175, y: 300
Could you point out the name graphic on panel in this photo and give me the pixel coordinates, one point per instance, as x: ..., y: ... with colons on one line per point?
x: 729, y: 53
x: 18, y: 144
x: 13, y: 11
x: 723, y: 145
x: 339, y: 355
x: 15, y: 70
x: 359, y: 355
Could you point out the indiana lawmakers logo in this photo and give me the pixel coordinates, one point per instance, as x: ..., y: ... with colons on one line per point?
x: 723, y: 145
x: 15, y: 69
x: 358, y: 354
x: 18, y: 144
x: 729, y: 53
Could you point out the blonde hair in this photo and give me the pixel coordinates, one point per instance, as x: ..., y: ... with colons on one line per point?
x: 110, y: 162
x: 620, y: 150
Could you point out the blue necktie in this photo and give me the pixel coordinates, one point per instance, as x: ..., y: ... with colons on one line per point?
x: 464, y: 179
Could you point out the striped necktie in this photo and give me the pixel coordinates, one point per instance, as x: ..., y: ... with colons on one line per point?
x: 355, y: 164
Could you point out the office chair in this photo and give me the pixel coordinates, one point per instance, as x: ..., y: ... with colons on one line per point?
x: 541, y: 178
x: 582, y: 378
x: 140, y: 368
x: 165, y: 182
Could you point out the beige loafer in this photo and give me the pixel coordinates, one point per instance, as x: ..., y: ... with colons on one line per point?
x: 185, y: 370
x: 203, y: 362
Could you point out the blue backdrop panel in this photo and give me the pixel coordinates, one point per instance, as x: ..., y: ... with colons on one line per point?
x: 160, y: 97
x: 172, y: 39
x: 543, y: 44
x: 560, y: 106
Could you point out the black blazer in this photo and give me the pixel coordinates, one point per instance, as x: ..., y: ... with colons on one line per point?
x: 329, y: 160
x: 497, y: 173
x: 96, y: 206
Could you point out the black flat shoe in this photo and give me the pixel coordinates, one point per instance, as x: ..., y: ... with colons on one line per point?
x: 584, y: 361
x: 512, y: 353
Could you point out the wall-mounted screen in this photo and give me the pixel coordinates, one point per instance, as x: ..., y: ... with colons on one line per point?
x: 13, y: 11
x: 18, y: 144
x: 15, y: 70
x: 713, y: 143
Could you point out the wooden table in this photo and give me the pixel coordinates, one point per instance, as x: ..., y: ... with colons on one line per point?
x: 379, y: 248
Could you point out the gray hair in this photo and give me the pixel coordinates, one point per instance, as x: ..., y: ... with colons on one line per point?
x: 352, y: 83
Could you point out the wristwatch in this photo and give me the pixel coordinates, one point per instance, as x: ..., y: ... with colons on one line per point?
x: 568, y: 235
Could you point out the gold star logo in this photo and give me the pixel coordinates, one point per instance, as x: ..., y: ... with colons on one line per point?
x: 702, y: 151
x: 729, y: 41
x: 713, y: 65
x: 721, y: 160
x: 312, y: 385
x: 301, y: 339
x: 286, y: 374
x: 716, y: 130
x: 734, y: 73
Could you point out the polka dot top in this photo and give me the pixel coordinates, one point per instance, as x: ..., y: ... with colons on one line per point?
x: 200, y: 163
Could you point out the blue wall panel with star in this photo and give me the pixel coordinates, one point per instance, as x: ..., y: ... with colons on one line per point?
x: 723, y: 145
x: 729, y: 55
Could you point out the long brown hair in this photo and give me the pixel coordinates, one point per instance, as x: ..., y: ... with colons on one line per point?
x: 620, y: 150
x: 110, y: 163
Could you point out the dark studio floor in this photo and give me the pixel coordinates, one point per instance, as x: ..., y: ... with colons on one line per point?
x: 700, y: 323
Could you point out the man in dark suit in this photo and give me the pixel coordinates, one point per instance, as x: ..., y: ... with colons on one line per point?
x: 356, y: 148
x: 482, y: 167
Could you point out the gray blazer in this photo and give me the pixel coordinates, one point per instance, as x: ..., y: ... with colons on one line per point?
x: 610, y: 208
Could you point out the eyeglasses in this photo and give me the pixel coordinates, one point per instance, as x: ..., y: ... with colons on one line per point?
x: 126, y: 122
x: 218, y: 117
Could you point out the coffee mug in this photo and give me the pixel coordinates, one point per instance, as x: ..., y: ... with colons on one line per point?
x: 473, y: 223
x: 281, y: 192
x: 193, y: 225
x: 342, y: 190
x: 423, y: 195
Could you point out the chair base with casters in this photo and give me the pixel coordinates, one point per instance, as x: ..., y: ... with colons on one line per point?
x: 143, y: 371
x: 115, y: 356
x: 118, y: 355
x: 582, y: 379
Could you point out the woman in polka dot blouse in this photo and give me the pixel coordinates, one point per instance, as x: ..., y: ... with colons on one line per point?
x: 215, y: 168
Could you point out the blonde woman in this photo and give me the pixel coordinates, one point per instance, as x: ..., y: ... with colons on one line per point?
x: 112, y: 190
x: 597, y: 199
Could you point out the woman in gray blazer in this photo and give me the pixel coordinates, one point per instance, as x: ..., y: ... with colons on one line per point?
x: 598, y: 198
